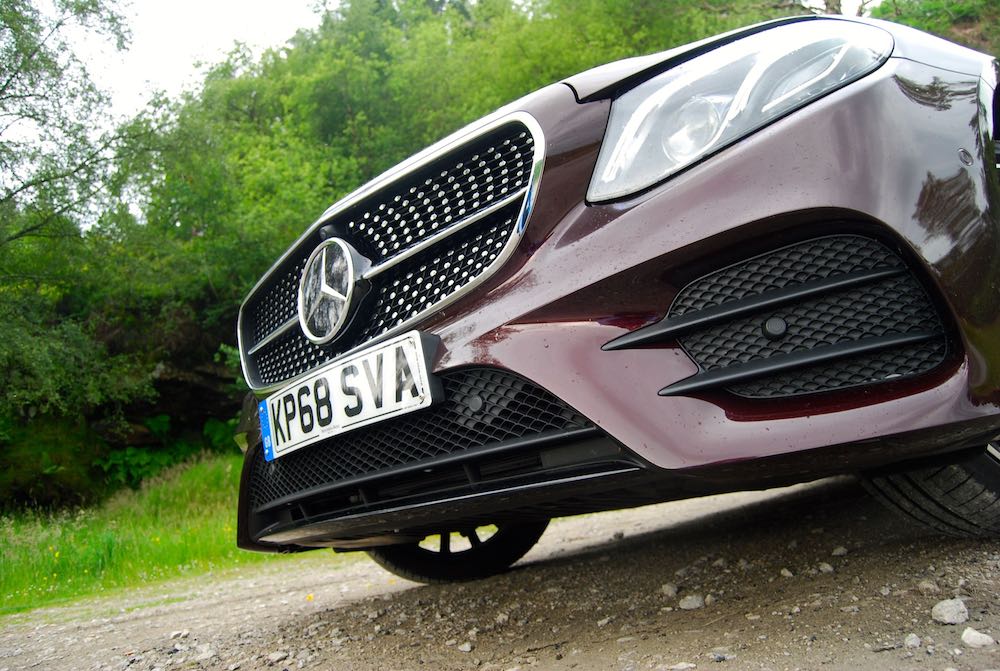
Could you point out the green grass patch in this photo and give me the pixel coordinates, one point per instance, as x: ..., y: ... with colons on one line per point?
x: 178, y: 524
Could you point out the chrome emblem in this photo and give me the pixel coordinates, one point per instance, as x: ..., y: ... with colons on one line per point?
x: 325, y: 290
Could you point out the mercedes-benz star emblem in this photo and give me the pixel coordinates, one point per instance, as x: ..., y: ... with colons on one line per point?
x: 325, y: 290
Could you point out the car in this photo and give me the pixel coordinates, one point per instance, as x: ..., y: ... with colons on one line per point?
x: 763, y: 258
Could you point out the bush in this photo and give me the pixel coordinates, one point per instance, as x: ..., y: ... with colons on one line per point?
x: 48, y: 462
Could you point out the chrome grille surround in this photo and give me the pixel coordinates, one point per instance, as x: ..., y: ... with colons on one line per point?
x: 460, y: 233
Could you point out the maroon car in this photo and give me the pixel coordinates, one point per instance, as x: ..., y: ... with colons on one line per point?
x: 763, y: 258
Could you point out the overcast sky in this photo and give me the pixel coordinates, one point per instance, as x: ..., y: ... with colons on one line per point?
x: 169, y: 38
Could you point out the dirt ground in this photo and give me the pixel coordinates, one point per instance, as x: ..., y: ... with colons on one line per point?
x: 808, y: 577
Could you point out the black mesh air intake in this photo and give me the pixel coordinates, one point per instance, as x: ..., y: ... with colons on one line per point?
x: 830, y: 313
x: 847, y: 295
x: 483, y: 407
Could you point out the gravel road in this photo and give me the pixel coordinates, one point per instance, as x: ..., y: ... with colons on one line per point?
x: 809, y: 577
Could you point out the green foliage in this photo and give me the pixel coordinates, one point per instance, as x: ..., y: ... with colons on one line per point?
x: 56, y: 366
x: 131, y: 465
x: 180, y: 523
x: 219, y: 435
x: 53, y: 155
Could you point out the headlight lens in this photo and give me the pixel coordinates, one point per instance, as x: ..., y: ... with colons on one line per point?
x: 701, y: 106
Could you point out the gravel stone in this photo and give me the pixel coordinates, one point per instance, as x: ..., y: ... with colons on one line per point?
x: 912, y: 641
x: 785, y: 573
x: 950, y: 611
x: 277, y: 656
x: 205, y: 656
x: 976, y: 639
x: 692, y: 602
x: 926, y: 587
x: 466, y: 647
x: 839, y: 551
x: 721, y: 655
x: 669, y: 589
x: 825, y: 568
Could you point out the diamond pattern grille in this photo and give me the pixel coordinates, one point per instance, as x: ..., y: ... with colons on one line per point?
x: 430, y: 201
x: 433, y: 276
x: 481, y: 407
x: 277, y: 306
x: 443, y: 194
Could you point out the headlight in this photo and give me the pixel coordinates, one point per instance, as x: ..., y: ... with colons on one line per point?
x: 677, y: 118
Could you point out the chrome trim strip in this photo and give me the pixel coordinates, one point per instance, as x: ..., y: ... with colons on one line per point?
x: 441, y: 235
x: 453, y: 141
x: 274, y: 335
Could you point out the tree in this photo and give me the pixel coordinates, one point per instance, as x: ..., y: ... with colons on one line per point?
x: 52, y: 162
x: 50, y: 155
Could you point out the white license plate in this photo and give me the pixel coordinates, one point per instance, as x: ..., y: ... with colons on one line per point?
x: 384, y: 381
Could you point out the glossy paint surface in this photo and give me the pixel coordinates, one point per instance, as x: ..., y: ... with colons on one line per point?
x: 883, y: 156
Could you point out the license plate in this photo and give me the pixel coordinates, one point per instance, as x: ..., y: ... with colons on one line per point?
x: 384, y: 381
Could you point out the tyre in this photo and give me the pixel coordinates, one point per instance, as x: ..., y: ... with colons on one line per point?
x: 959, y: 499
x: 463, y: 554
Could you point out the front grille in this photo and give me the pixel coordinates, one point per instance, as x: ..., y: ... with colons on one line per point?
x: 848, y: 312
x: 482, y: 408
x: 436, y: 230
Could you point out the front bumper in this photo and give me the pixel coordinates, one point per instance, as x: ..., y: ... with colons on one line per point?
x: 847, y: 163
x: 881, y: 158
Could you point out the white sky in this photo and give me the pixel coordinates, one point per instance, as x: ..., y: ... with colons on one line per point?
x: 170, y: 36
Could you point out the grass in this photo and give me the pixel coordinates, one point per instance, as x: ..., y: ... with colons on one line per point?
x: 180, y: 523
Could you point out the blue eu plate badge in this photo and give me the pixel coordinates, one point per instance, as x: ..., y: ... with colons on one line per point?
x: 265, y: 431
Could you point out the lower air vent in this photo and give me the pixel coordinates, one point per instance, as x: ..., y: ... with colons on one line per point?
x: 831, y: 313
x: 483, y: 409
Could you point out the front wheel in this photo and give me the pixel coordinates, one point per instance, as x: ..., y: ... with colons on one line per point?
x: 462, y: 554
x: 958, y: 499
